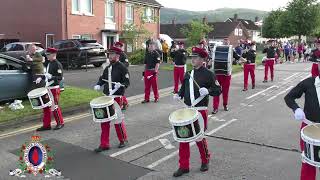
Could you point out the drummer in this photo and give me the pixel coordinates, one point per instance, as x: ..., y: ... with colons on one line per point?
x: 53, y: 75
x: 309, y: 87
x: 117, y: 83
x: 197, y: 85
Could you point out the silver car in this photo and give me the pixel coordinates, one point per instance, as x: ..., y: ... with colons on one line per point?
x: 15, y: 80
x: 19, y: 50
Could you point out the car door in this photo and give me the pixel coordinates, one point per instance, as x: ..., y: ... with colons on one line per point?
x: 14, y: 81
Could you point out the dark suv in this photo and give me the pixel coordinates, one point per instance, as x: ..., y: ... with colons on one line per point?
x: 77, y: 52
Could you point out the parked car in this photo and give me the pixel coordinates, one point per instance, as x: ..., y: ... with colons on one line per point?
x: 77, y: 52
x: 19, y: 50
x: 14, y: 78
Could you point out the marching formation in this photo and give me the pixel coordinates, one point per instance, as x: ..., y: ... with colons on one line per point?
x: 210, y: 76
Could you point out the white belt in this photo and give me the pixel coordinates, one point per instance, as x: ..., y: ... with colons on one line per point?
x: 251, y: 64
x: 179, y: 66
x: 199, y: 108
x: 53, y: 87
x: 270, y: 59
x: 115, y: 96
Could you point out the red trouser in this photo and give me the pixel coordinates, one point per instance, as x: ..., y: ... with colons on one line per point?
x: 315, y: 70
x: 56, y: 113
x: 120, y: 129
x: 249, y: 68
x: 184, y: 148
x: 224, y: 82
x: 153, y: 81
x: 308, y: 172
x: 178, y: 74
x: 124, y: 100
x: 269, y: 64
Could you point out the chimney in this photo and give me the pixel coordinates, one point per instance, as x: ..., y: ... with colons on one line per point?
x: 205, y: 20
x: 235, y: 17
x: 256, y: 19
x: 174, y: 21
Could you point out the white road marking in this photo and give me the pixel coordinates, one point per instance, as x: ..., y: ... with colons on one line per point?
x: 260, y: 92
x: 291, y: 76
x: 282, y: 92
x: 156, y: 163
x: 140, y: 144
x: 166, y: 144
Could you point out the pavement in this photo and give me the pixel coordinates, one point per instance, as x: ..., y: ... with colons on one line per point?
x: 256, y: 140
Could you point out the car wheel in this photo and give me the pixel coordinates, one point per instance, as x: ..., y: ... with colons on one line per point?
x: 97, y: 64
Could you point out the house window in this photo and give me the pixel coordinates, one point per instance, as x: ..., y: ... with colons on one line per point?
x: 49, y: 40
x: 76, y: 36
x: 149, y: 14
x: 86, y: 36
x: 75, y: 6
x: 236, y: 33
x: 110, y: 11
x: 240, y: 32
x: 86, y: 7
x: 129, y: 13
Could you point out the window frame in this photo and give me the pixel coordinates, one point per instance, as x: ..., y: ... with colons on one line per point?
x: 78, y: 11
x: 76, y: 36
x: 110, y: 18
x: 240, y: 32
x: 128, y: 19
x: 236, y: 32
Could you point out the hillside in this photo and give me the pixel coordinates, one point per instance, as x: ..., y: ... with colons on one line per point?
x: 184, y: 16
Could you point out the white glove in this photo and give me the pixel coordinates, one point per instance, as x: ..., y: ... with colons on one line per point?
x: 299, y: 114
x: 38, y: 80
x: 97, y: 87
x: 117, y: 85
x: 203, y: 91
x: 48, y: 76
x: 176, y: 97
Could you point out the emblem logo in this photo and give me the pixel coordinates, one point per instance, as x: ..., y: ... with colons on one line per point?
x: 183, y: 132
x: 35, y: 102
x: 99, y: 113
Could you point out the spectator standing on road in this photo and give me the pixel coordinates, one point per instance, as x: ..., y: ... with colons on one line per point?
x: 165, y: 49
x: 36, y: 60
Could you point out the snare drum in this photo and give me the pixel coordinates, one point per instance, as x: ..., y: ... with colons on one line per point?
x: 311, y: 137
x: 187, y: 125
x: 103, y: 109
x: 40, y: 98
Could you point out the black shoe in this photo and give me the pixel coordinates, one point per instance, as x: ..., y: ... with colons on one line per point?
x: 156, y: 100
x: 271, y: 80
x: 226, y: 108
x: 215, y: 111
x: 253, y: 86
x: 245, y: 89
x: 265, y: 81
x: 204, y: 167
x: 125, y: 106
x: 123, y: 144
x: 144, y: 101
x: 59, y: 126
x: 43, y: 128
x: 100, y: 149
x: 180, y: 172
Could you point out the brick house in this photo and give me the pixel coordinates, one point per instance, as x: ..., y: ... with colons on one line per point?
x: 234, y: 31
x: 47, y: 21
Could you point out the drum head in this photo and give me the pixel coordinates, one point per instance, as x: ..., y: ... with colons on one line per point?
x: 183, y: 116
x: 37, y: 92
x: 102, y: 101
x: 312, y: 131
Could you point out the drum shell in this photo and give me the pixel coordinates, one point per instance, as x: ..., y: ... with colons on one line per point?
x: 103, y: 112
x: 311, y: 151
x: 40, y: 100
x: 222, y: 60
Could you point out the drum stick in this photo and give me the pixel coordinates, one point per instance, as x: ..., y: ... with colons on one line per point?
x: 111, y: 82
x: 193, y: 80
x: 310, y: 123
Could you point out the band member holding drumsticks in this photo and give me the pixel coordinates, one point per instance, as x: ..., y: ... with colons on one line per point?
x: 249, y: 66
x: 125, y: 61
x: 152, y: 63
x: 269, y: 63
x: 53, y: 75
x: 195, y: 89
x: 179, y: 59
x: 315, y: 54
x: 311, y: 88
x: 117, y: 73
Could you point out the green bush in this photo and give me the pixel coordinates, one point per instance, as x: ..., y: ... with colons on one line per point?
x: 137, y: 57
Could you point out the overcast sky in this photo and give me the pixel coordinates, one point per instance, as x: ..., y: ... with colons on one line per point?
x: 203, y: 5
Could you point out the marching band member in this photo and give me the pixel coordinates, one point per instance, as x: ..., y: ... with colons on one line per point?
x: 310, y: 87
x: 315, y: 54
x: 224, y: 80
x: 196, y: 87
x: 125, y: 61
x: 249, y: 66
x: 117, y: 77
x: 179, y: 59
x: 53, y: 75
x: 152, y: 63
x: 269, y: 63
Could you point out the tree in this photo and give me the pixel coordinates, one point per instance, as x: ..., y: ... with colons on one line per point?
x: 272, y: 23
x: 195, y: 31
x: 302, y: 15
